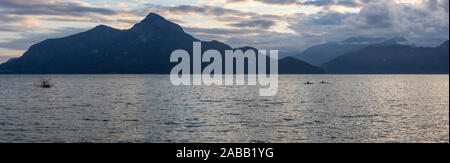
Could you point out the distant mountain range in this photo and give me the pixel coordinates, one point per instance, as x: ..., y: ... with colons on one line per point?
x: 143, y: 49
x: 392, y: 59
x: 323, y: 53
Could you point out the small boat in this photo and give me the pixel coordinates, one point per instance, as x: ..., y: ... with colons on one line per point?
x: 323, y: 82
x: 45, y: 83
x: 309, y: 83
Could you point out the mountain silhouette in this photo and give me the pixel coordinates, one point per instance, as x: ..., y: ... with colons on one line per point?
x: 143, y: 49
x: 393, y: 59
x: 286, y: 64
x: 322, y: 53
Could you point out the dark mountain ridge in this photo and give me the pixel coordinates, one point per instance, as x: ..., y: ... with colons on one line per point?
x: 143, y: 49
x: 393, y: 59
x: 323, y: 53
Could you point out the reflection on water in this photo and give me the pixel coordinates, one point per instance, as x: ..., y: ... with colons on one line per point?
x: 147, y: 108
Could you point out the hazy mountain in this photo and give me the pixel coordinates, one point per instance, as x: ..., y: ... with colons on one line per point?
x: 395, y: 41
x: 393, y: 59
x: 320, y: 54
x: 143, y: 49
x: 363, y: 40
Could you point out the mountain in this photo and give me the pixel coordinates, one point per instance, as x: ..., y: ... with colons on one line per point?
x: 393, y: 59
x: 363, y: 40
x: 290, y: 65
x: 394, y: 41
x: 5, y: 58
x: 143, y: 49
x: 444, y: 45
x: 320, y: 54
x: 285, y: 67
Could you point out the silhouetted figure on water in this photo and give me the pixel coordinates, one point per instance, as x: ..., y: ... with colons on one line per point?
x: 45, y: 83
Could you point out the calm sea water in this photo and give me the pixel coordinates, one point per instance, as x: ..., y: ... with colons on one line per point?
x: 147, y: 108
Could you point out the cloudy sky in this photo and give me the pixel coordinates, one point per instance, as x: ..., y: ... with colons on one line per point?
x: 287, y: 25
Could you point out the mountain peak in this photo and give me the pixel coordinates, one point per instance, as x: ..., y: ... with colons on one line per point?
x: 153, y: 17
x: 154, y: 22
x: 102, y: 27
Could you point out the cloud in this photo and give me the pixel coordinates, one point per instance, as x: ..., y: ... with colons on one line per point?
x: 9, y: 23
x: 27, y: 15
x: 35, y: 15
x: 58, y: 7
x: 212, y: 11
x: 254, y: 23
x: 228, y: 17
x: 379, y: 15
x: 310, y: 22
x: 222, y: 31
x: 317, y: 3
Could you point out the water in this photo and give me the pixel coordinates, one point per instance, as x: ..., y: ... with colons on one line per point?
x: 147, y: 108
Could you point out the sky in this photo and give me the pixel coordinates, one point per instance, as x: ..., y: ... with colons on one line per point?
x: 286, y: 25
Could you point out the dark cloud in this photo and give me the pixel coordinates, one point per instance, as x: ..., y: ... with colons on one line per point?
x: 445, y: 4
x: 6, y: 18
x: 213, y: 11
x: 222, y: 31
x: 40, y: 7
x: 26, y: 15
x: 279, y: 2
x: 378, y: 15
x: 254, y: 23
x: 352, y: 3
x: 222, y: 34
x: 236, y: 17
x: 12, y: 28
x: 318, y: 3
x: 329, y: 18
